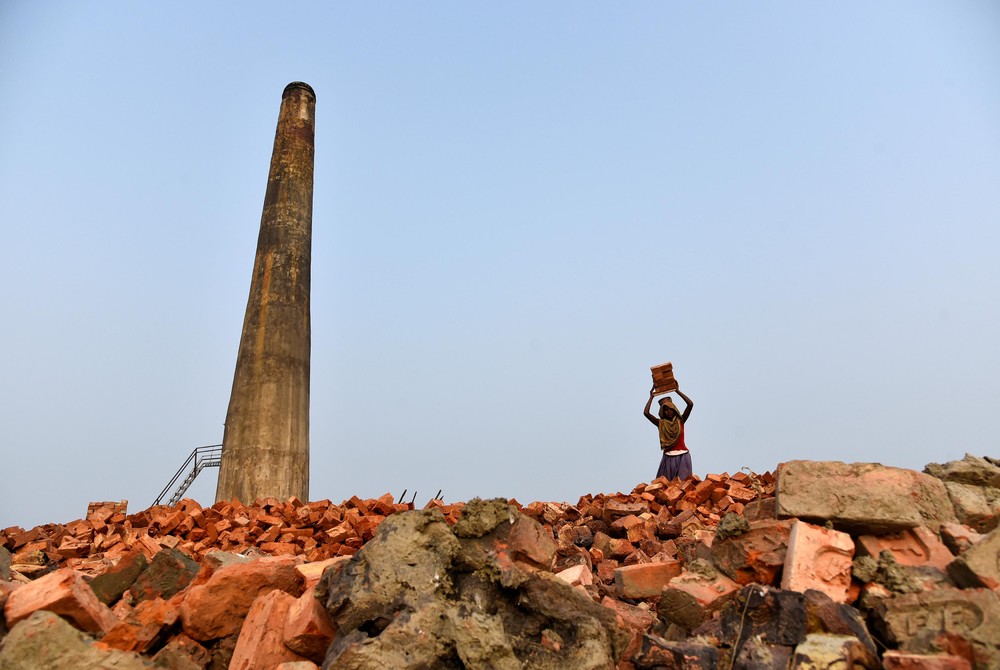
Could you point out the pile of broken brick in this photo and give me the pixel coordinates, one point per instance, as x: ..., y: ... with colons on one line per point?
x: 822, y: 565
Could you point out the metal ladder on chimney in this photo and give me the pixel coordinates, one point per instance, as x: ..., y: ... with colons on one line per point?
x: 201, y: 457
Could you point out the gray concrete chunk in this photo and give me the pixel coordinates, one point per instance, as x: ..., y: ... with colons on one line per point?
x: 861, y: 498
x: 44, y: 641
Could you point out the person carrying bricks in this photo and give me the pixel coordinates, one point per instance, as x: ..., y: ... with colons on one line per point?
x: 676, y: 460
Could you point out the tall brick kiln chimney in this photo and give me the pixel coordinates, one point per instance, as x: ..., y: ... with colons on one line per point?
x: 265, y: 447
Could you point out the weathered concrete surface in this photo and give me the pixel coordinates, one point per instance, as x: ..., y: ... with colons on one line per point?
x: 420, y: 596
x: 182, y: 653
x: 887, y: 572
x: 265, y: 446
x: 757, y: 654
x: 970, y: 470
x: 861, y: 498
x: 44, y: 641
x: 976, y: 506
x: 932, y: 621
x: 979, y: 565
x: 109, y: 586
x: 4, y: 563
x: 974, y: 486
x: 170, y: 571
x: 5, y: 591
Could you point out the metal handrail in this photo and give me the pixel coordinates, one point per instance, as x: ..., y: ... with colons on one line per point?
x: 202, y: 457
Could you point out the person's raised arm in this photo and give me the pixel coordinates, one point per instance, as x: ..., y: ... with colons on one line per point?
x: 649, y: 403
x: 690, y: 404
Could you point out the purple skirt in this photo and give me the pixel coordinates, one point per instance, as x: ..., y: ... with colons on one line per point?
x: 675, y: 467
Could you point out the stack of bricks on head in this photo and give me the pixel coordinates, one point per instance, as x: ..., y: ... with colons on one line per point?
x: 820, y: 565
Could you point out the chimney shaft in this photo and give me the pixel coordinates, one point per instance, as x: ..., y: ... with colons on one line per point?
x: 265, y: 447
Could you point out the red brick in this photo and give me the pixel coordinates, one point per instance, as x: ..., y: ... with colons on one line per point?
x: 741, y: 493
x: 146, y: 625
x: 702, y: 492
x: 341, y: 532
x: 308, y: 627
x: 709, y: 592
x: 63, y: 592
x: 619, y: 548
x: 623, y: 523
x: 606, y: 570
x: 645, y: 580
x: 280, y: 548
x: 261, y: 642
x: 614, y: 509
x: 216, y: 608
x: 645, y: 530
x: 915, y: 547
x: 899, y: 660
x: 311, y: 572
x: 530, y: 544
x: 754, y: 557
x: 958, y: 538
x: 636, y: 620
x: 818, y: 558
x: 577, y: 575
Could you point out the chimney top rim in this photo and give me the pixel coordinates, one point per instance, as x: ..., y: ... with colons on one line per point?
x: 298, y: 85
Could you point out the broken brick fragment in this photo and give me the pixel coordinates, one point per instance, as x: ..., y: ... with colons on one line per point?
x: 146, y: 626
x: 913, y: 546
x: 818, y: 558
x: 645, y: 580
x: 778, y: 616
x: 979, y: 565
x: 217, y: 608
x: 636, y: 620
x: 308, y: 628
x: 657, y: 653
x: 691, y: 597
x: 111, y: 584
x: 63, y: 592
x: 756, y: 556
x: 260, y: 645
x: 182, y: 653
x: 901, y: 660
x: 168, y: 573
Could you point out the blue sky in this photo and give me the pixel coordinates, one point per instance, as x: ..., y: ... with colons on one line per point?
x: 519, y: 208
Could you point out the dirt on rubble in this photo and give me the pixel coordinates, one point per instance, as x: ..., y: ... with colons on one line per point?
x: 775, y: 570
x: 423, y: 594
